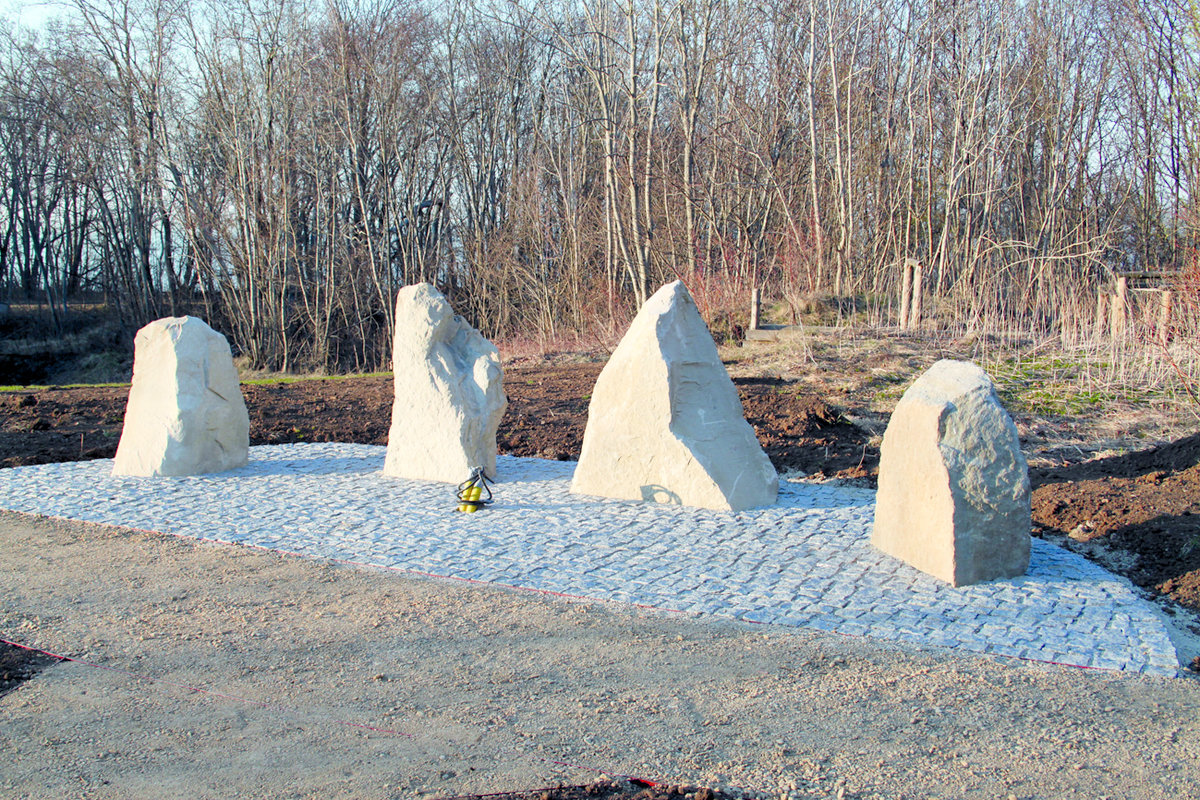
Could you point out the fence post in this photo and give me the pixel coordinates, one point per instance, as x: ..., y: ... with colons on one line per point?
x: 1120, y: 308
x: 1164, y: 317
x: 905, y: 291
x: 755, y: 305
x: 914, y: 314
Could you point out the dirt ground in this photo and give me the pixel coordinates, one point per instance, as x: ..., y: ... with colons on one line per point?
x: 1097, y: 490
x: 209, y: 671
x: 547, y: 412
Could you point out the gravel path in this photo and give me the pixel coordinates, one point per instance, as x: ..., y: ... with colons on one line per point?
x: 806, y: 562
x: 333, y: 681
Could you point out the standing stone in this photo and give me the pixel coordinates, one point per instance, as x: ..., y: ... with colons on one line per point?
x: 449, y: 392
x: 665, y: 423
x: 185, y: 414
x: 953, y: 496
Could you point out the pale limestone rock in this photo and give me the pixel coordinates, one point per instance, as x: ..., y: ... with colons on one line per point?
x: 449, y: 392
x: 953, y: 496
x: 185, y: 414
x: 665, y: 423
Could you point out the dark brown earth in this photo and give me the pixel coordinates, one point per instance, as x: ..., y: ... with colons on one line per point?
x: 547, y: 411
x: 1145, y: 504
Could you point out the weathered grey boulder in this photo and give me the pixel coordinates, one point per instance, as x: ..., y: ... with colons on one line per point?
x: 185, y: 414
x: 953, y: 496
x: 449, y: 392
x: 665, y: 423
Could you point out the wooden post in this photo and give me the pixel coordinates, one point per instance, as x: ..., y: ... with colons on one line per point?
x: 1164, y: 317
x: 906, y: 270
x: 1101, y: 312
x: 755, y: 306
x: 914, y: 314
x: 1120, y: 308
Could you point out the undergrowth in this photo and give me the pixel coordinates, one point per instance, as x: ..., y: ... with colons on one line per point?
x: 1052, y: 380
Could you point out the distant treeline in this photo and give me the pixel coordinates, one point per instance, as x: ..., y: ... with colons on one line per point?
x: 282, y: 166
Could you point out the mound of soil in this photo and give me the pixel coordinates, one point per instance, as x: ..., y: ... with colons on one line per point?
x: 801, y: 432
x: 1145, y: 505
x: 1173, y: 457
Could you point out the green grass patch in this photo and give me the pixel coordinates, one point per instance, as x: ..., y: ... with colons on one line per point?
x: 890, y: 385
x: 41, y: 388
x: 278, y: 379
x: 1054, y: 385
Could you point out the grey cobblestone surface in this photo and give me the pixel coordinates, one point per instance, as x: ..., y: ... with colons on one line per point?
x: 805, y: 562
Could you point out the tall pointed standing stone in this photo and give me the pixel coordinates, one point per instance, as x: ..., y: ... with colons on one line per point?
x: 185, y: 414
x: 449, y: 392
x: 665, y: 423
x: 953, y: 496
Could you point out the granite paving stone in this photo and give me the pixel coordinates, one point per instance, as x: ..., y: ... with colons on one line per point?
x: 804, y: 562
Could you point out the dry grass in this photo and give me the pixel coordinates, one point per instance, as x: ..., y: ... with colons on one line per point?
x: 1070, y: 402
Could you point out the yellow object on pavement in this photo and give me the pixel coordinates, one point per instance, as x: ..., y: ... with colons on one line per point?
x: 470, y: 492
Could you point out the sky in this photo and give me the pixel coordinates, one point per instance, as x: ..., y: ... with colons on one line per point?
x: 26, y: 13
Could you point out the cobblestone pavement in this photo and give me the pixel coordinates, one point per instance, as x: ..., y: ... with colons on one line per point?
x: 805, y: 562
